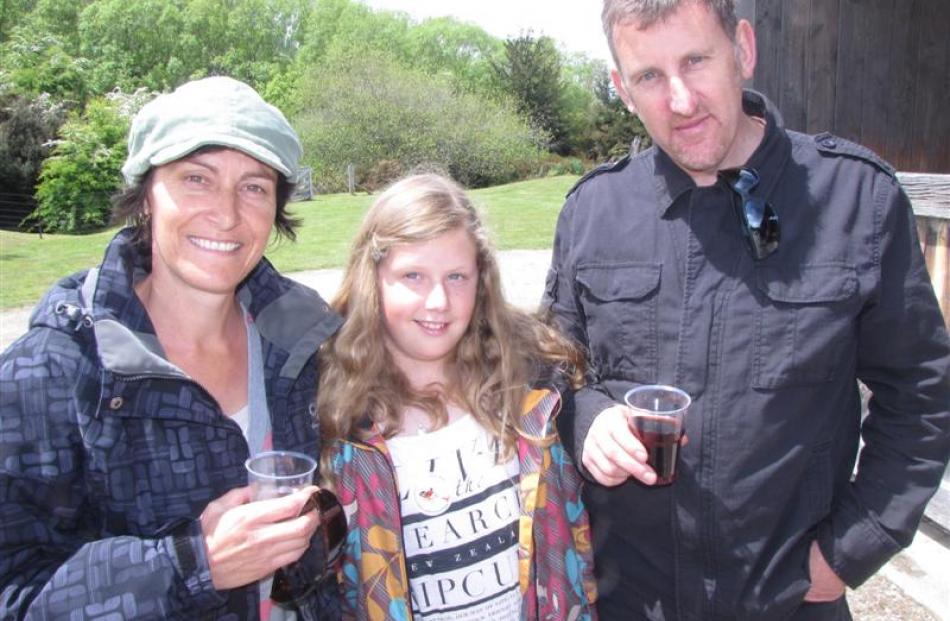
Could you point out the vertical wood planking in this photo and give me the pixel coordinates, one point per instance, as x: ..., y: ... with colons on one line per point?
x: 875, y: 41
x: 794, y: 93
x: 821, y: 63
x: 900, y: 81
x: 768, y: 29
x: 850, y: 71
x: 931, y: 120
x: 876, y: 72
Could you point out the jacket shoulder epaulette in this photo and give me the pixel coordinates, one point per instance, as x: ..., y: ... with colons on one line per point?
x: 603, y: 168
x: 829, y: 144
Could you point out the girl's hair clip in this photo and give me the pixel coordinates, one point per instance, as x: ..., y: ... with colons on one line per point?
x: 375, y: 252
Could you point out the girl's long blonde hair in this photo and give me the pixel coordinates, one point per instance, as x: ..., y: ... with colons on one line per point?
x: 502, y: 351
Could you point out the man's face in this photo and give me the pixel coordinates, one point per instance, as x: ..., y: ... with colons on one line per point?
x: 683, y: 77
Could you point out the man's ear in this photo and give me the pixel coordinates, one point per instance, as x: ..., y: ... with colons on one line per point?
x: 622, y: 91
x: 745, y: 49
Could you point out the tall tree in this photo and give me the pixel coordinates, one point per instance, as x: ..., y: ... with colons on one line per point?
x: 134, y: 44
x: 531, y: 73
x: 252, y: 40
x: 463, y: 51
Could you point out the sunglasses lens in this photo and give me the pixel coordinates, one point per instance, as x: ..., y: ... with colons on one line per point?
x: 333, y: 522
x: 280, y: 590
x: 763, y: 227
x: 757, y: 219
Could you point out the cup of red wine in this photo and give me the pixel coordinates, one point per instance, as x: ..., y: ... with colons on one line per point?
x: 657, y: 417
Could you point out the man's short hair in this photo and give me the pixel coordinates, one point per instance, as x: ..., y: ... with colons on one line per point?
x: 648, y: 12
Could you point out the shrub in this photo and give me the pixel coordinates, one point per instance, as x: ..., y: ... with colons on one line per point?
x: 78, y: 179
x: 367, y: 110
x: 26, y: 127
x: 566, y: 166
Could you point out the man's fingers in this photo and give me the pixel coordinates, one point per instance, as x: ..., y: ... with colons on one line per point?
x: 605, y: 479
x: 628, y: 442
x: 625, y: 456
x: 615, y: 463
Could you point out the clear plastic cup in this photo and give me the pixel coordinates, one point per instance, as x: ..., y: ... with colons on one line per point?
x: 657, y: 418
x: 272, y: 474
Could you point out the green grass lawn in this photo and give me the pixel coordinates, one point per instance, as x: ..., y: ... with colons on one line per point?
x: 521, y: 216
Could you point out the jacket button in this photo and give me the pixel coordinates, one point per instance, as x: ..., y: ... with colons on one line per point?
x: 115, y: 403
x: 828, y: 142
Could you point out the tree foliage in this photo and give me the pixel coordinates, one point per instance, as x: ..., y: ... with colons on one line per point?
x: 387, y: 119
x: 601, y: 126
x: 26, y: 128
x: 462, y: 51
x: 370, y: 87
x: 531, y: 73
x: 78, y: 179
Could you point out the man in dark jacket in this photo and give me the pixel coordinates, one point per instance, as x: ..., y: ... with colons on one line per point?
x: 765, y: 272
x: 123, y: 492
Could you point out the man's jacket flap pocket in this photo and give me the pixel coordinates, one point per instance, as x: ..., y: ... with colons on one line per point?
x: 807, y: 284
x: 619, y: 282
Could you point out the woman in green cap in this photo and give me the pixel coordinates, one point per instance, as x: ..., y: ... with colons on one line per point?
x: 143, y: 385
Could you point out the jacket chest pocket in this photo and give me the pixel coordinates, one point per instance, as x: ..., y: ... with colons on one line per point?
x: 620, y: 305
x: 805, y: 326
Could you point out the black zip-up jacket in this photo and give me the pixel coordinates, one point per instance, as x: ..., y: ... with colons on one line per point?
x: 650, y: 273
x: 109, y: 453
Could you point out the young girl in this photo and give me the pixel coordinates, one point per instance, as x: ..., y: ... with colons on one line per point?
x: 462, y: 504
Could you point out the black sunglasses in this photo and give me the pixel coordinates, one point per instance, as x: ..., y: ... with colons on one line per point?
x: 757, y: 219
x: 333, y: 528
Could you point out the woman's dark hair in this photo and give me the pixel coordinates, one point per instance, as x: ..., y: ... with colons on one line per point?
x: 128, y: 206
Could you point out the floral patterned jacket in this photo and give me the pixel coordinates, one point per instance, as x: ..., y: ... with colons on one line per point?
x: 556, y: 566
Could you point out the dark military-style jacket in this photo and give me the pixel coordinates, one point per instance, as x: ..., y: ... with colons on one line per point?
x: 109, y: 453
x: 651, y: 274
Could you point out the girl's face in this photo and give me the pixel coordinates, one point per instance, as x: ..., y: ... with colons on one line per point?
x: 427, y: 292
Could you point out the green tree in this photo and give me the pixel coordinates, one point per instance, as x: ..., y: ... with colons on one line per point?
x: 26, y: 128
x: 78, y: 179
x: 134, y: 44
x: 253, y: 40
x: 386, y: 119
x: 531, y: 74
x: 337, y: 29
x: 614, y: 129
x: 463, y: 51
x: 11, y: 13
x: 37, y: 64
x: 40, y: 50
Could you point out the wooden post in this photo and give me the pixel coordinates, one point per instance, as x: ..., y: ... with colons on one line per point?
x: 351, y: 178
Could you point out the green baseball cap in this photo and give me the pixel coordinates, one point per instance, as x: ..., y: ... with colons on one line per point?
x: 211, y: 111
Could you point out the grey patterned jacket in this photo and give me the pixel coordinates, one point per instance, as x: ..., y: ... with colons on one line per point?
x: 108, y: 453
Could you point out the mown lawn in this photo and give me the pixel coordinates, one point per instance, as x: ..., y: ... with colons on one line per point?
x: 521, y: 216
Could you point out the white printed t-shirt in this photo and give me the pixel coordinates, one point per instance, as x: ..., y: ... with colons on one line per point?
x: 460, y: 514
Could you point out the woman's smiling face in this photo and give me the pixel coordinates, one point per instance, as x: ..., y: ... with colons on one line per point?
x: 211, y: 216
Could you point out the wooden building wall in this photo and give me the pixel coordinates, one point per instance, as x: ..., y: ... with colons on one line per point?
x: 874, y: 71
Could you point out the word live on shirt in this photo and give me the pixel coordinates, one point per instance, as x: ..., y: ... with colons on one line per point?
x: 460, y: 513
